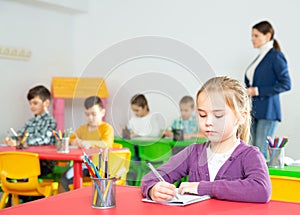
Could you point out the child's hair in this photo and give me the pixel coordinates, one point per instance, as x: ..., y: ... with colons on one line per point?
x: 187, y: 100
x: 42, y: 92
x: 139, y: 100
x: 236, y: 97
x: 91, y: 101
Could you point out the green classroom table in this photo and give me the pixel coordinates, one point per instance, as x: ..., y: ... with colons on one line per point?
x: 177, y: 146
x: 290, y: 171
x: 171, y: 142
x: 136, y: 171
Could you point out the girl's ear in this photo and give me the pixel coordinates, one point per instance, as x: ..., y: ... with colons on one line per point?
x: 242, y: 118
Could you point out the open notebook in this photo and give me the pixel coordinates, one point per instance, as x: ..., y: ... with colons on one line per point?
x: 183, y: 200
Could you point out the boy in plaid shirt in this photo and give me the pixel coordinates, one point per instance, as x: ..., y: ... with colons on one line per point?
x: 187, y: 121
x: 40, y: 127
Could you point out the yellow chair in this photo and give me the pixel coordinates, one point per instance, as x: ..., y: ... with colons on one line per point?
x: 118, y: 166
x: 117, y: 146
x: 19, y: 176
x: 285, y: 188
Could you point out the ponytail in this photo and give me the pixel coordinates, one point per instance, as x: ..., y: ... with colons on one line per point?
x: 276, y: 45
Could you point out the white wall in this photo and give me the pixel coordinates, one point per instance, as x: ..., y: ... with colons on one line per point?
x: 219, y: 30
x: 47, y: 34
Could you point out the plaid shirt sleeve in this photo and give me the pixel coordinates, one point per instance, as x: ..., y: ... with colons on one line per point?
x: 40, y: 130
x: 191, y: 125
x: 176, y: 124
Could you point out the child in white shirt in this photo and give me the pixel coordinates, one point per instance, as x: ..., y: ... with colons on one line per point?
x: 143, y: 123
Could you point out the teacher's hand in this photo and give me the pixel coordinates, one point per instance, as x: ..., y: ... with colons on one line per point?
x: 252, y: 91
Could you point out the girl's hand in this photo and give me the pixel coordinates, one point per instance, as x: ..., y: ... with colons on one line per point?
x: 188, y: 187
x: 162, y: 191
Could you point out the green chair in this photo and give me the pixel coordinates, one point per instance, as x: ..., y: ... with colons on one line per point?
x: 58, y: 170
x: 156, y: 153
x: 130, y: 146
x: 134, y: 160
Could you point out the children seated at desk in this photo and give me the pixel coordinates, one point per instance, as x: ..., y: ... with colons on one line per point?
x: 40, y: 127
x: 187, y: 121
x: 100, y: 133
x: 95, y: 129
x: 143, y: 123
x: 225, y: 167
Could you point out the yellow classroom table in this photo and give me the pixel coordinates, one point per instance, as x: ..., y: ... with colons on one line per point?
x: 285, y: 183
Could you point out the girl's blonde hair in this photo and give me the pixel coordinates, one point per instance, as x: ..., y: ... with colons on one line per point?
x: 236, y: 97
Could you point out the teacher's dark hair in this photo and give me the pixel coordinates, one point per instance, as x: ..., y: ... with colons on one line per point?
x: 265, y: 27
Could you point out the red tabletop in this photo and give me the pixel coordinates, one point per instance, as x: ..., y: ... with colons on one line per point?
x: 129, y: 203
x: 50, y: 153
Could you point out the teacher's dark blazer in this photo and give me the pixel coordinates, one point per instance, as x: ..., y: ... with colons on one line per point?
x: 271, y: 76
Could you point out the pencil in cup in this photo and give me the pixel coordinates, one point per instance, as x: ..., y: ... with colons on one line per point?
x: 276, y: 143
x: 25, y: 135
x: 104, y: 193
x: 97, y: 194
x: 103, y: 189
x: 284, y: 141
x: 59, y: 135
x: 103, y: 163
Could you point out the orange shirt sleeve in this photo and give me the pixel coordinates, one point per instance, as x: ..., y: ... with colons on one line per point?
x: 107, y: 134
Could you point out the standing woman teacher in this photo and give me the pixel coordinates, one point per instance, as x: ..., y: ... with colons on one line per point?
x: 265, y: 78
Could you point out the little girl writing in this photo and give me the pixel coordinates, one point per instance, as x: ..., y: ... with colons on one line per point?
x: 225, y: 167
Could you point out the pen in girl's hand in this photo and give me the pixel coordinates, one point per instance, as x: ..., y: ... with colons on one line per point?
x: 155, y: 172
x: 158, y: 175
